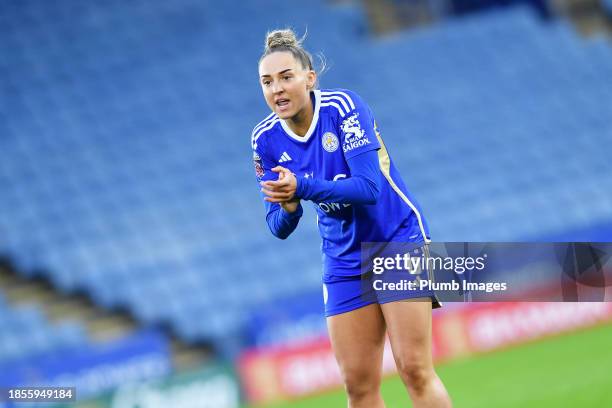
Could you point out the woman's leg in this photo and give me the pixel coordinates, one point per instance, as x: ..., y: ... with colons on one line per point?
x: 357, y: 338
x: 409, y: 327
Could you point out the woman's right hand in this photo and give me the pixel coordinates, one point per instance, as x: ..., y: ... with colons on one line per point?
x: 291, y: 205
x: 284, y: 177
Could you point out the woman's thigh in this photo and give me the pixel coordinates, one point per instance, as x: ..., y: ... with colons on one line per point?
x: 409, y: 328
x: 358, y: 338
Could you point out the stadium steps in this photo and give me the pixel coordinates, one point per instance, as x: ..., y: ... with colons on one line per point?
x: 99, y: 324
x: 594, y: 24
x: 390, y: 16
x: 589, y: 16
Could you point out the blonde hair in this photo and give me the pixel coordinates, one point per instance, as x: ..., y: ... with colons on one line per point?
x: 286, y: 40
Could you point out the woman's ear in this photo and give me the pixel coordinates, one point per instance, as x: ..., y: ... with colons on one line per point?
x: 311, y: 79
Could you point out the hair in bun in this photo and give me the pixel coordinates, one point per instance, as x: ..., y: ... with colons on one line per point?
x: 286, y: 40
x: 281, y: 38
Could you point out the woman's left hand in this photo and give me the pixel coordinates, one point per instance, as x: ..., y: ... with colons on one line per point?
x: 281, y: 190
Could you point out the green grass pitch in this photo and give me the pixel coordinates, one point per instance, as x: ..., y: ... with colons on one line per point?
x: 573, y: 370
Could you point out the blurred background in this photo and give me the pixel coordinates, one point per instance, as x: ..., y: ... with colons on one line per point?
x: 136, y: 263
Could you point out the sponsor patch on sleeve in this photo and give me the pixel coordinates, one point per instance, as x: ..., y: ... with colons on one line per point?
x: 354, y: 135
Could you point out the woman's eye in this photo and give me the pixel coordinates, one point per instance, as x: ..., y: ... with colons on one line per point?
x: 286, y: 78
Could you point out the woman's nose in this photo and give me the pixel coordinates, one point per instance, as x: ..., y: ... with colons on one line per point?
x: 277, y: 87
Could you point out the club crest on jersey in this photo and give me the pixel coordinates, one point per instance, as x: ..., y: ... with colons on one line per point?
x: 259, y: 170
x: 330, y: 142
x: 354, y: 135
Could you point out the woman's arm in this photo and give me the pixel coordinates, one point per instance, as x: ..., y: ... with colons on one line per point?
x: 281, y: 222
x: 282, y: 217
x: 363, y: 187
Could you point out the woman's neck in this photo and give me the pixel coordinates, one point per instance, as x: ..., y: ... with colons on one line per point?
x: 300, y: 123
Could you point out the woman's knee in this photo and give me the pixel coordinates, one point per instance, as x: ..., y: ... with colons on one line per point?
x: 361, y: 382
x: 415, y: 373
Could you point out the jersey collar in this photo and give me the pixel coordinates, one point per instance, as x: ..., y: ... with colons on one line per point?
x: 313, y: 124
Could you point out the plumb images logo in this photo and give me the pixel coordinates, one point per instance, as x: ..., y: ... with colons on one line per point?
x: 582, y: 263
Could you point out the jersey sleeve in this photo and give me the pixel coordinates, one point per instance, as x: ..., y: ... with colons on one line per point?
x: 280, y: 222
x: 363, y: 187
x: 357, y: 128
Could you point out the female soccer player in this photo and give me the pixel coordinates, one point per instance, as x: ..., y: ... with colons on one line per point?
x: 323, y: 146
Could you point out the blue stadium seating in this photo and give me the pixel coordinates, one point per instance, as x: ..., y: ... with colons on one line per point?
x: 126, y: 168
x: 25, y: 332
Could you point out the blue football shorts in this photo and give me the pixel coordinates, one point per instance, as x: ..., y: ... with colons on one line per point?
x: 342, y: 294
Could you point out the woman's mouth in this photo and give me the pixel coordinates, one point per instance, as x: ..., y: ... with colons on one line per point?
x: 282, y: 104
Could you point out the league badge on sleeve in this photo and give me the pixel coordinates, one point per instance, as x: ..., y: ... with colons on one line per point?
x: 259, y: 169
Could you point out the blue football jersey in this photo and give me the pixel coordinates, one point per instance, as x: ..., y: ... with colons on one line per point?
x: 342, y: 127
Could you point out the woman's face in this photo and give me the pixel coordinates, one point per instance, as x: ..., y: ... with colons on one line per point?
x: 285, y: 83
